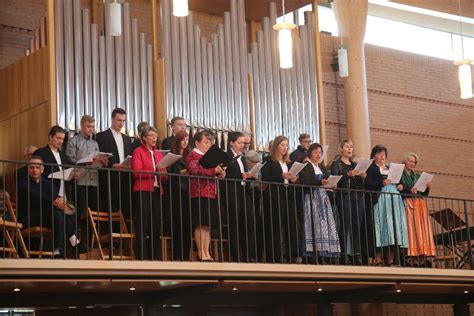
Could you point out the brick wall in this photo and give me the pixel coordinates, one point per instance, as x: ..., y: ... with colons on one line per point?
x: 414, y: 105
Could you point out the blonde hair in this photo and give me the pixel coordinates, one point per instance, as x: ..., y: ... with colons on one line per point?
x: 408, y: 155
x: 343, y: 142
x: 274, y: 149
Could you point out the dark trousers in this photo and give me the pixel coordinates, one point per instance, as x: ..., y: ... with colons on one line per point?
x: 116, y: 193
x: 280, y: 218
x: 241, y: 220
x: 147, y: 214
x: 85, y: 197
x: 181, y: 224
x: 351, y: 207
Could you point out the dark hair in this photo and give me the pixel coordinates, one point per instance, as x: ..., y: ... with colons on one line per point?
x: 378, y: 149
x: 176, y: 118
x: 118, y: 111
x: 56, y: 129
x: 145, y: 132
x: 36, y: 158
x: 312, y: 148
x: 233, y: 136
x: 199, y: 136
x: 178, y: 138
x: 303, y: 136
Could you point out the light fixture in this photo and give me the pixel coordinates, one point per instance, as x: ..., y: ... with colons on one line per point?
x: 464, y: 66
x: 466, y: 292
x: 113, y: 10
x: 320, y: 289
x: 285, y: 40
x: 132, y: 289
x: 180, y: 8
x: 342, y: 61
x: 235, y: 289
x: 16, y: 290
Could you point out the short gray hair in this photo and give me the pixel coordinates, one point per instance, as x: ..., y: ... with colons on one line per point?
x: 253, y: 156
x: 408, y: 155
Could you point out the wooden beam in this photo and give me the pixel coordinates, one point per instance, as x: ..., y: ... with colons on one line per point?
x: 51, y: 40
x: 319, y: 76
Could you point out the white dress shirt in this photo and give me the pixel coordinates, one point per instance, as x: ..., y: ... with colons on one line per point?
x: 119, y: 142
x: 241, y: 164
x: 154, y: 166
x: 58, y: 161
x: 284, y: 167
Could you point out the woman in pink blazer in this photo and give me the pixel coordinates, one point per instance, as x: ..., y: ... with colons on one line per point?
x: 147, y: 195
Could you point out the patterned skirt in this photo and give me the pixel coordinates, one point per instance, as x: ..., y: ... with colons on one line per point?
x: 319, y: 225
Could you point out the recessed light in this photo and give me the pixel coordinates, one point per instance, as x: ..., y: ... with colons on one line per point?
x: 235, y: 289
x: 398, y: 290
x: 16, y: 290
x: 72, y: 307
x: 175, y: 305
x: 466, y: 292
x: 320, y: 289
x: 132, y: 289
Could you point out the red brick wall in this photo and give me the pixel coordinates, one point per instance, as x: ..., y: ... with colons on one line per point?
x: 414, y: 105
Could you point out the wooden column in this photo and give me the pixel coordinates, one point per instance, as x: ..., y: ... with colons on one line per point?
x: 319, y: 76
x: 351, y: 16
x: 51, y: 46
x: 159, y: 77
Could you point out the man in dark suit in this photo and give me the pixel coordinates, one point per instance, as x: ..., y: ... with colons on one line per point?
x: 116, y: 193
x: 177, y: 124
x: 53, y: 158
x: 23, y: 171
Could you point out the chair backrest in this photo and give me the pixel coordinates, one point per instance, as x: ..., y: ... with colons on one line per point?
x: 5, y: 201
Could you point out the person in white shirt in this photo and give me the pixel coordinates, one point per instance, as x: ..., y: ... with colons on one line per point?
x: 114, y: 186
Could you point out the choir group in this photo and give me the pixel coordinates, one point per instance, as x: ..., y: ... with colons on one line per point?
x: 262, y: 211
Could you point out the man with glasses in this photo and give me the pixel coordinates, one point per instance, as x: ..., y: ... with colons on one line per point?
x: 299, y: 154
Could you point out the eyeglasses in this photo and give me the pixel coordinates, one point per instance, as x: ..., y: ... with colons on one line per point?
x: 246, y: 143
x: 307, y: 141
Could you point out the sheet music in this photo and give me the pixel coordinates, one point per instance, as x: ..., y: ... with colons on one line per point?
x: 363, y: 165
x: 325, y: 153
x: 66, y: 175
x: 168, y: 160
x: 297, y: 167
x: 127, y: 161
x: 89, y: 158
x: 395, y: 172
x: 333, y: 180
x: 423, y: 181
x: 256, y: 169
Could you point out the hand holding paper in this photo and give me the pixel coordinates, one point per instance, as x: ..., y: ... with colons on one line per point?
x: 66, y: 175
x: 332, y: 181
x: 168, y: 160
x: 94, y: 156
x: 256, y: 169
x: 423, y: 181
x: 363, y: 165
x: 296, y: 168
x: 395, y: 172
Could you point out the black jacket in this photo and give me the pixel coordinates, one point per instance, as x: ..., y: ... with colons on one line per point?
x: 107, y: 144
x: 298, y: 154
x: 339, y: 168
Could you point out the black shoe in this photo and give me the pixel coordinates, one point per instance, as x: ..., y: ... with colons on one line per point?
x: 58, y: 254
x: 79, y: 249
x: 357, y: 260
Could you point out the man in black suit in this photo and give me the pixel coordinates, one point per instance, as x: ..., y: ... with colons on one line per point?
x: 177, y: 124
x: 113, y: 141
x: 53, y: 160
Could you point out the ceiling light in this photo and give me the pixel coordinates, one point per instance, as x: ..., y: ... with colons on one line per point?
x: 285, y: 40
x: 464, y: 66
x: 235, y: 289
x: 320, y: 289
x: 398, y: 291
x: 180, y: 8
x: 16, y: 290
x: 113, y: 13
x: 132, y: 289
x: 466, y: 292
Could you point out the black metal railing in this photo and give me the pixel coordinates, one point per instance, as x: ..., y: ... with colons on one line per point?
x: 233, y: 221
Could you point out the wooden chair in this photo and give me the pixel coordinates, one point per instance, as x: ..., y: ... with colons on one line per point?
x: 11, y: 230
x: 123, y: 239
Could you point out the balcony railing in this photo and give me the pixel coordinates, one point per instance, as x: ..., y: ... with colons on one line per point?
x: 233, y: 221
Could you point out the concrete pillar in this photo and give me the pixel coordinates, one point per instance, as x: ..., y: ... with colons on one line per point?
x: 351, y: 16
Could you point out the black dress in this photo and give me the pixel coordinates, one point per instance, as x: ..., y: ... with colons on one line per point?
x: 280, y: 215
x: 240, y: 212
x: 351, y: 208
x: 180, y: 211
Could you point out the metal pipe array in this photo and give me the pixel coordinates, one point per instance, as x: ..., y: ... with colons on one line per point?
x: 207, y: 78
x: 97, y: 72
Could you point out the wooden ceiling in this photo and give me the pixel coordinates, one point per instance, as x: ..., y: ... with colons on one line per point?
x: 256, y: 9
